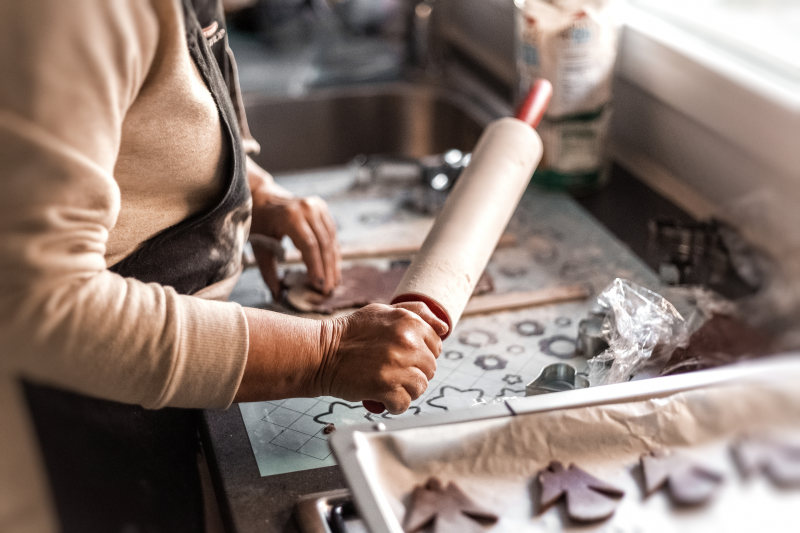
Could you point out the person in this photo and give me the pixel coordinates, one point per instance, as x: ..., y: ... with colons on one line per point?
x: 126, y: 196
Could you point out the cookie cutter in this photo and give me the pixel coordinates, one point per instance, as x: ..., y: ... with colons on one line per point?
x: 591, y: 341
x: 556, y: 377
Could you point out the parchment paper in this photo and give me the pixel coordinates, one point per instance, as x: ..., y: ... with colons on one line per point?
x: 496, y: 461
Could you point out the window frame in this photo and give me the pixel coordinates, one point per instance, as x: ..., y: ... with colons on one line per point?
x: 713, y: 87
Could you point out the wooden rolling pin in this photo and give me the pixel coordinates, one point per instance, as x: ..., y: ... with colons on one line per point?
x: 444, y: 272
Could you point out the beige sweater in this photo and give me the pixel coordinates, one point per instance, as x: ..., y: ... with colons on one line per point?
x: 107, y: 135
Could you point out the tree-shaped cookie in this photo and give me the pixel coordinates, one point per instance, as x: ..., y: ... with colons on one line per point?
x: 687, y: 482
x: 588, y: 499
x: 779, y: 461
x: 446, y: 508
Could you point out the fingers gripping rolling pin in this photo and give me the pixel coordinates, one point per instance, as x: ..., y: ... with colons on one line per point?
x: 444, y: 272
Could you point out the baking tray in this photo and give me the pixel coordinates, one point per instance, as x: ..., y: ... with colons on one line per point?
x: 382, y: 462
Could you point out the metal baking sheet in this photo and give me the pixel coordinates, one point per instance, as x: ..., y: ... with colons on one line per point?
x: 494, y: 453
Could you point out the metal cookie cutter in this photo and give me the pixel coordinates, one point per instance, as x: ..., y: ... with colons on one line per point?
x: 556, y: 378
x: 438, y: 172
x: 591, y: 341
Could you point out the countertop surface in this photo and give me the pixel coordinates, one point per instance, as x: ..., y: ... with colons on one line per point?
x: 251, y: 503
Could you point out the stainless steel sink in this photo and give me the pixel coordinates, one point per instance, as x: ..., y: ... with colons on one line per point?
x: 331, y: 126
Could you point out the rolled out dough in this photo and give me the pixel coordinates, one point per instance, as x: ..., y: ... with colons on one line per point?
x: 361, y: 285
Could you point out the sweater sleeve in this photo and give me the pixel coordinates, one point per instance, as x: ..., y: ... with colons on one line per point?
x: 70, y: 71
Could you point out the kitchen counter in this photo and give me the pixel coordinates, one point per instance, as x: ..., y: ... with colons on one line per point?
x: 251, y: 503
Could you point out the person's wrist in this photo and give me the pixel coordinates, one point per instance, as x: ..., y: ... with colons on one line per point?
x: 330, y: 337
x: 285, y: 357
x: 265, y: 191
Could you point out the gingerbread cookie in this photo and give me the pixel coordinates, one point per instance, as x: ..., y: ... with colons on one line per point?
x: 688, y: 483
x: 447, y: 509
x: 588, y: 499
x: 778, y: 460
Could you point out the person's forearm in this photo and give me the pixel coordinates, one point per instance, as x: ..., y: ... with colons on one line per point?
x: 285, y: 356
x: 381, y: 353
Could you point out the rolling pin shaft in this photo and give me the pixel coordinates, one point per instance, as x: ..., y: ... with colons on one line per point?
x: 444, y: 272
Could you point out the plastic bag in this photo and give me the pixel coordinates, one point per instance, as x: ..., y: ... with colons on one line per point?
x: 637, y: 321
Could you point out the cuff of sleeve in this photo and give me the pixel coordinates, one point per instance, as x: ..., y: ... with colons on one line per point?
x: 212, y: 353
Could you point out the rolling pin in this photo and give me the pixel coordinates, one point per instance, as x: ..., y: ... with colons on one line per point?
x: 444, y: 272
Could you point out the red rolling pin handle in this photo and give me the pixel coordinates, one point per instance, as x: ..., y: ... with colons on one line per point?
x: 435, y: 308
x: 531, y: 112
x: 535, y: 104
x: 377, y: 407
x: 374, y: 407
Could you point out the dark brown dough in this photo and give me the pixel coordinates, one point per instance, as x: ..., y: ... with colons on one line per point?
x: 361, y: 285
x: 688, y: 483
x: 446, y: 508
x: 588, y: 499
x: 779, y: 461
x: 721, y: 340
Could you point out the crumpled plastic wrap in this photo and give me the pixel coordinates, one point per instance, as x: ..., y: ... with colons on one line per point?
x: 637, y: 321
x: 686, y: 328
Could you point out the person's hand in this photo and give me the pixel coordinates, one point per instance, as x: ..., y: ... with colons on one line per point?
x: 382, y: 353
x: 306, y: 221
